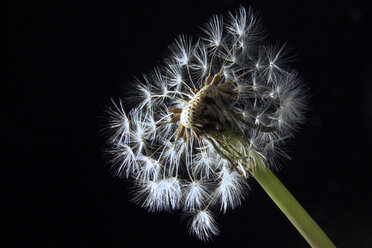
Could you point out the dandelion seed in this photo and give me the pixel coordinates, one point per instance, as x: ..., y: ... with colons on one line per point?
x: 148, y: 169
x: 196, y: 194
x: 158, y: 195
x: 231, y: 190
x: 214, y: 31
x: 203, y: 225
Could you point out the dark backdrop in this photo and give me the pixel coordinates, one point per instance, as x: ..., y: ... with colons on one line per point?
x: 65, y: 60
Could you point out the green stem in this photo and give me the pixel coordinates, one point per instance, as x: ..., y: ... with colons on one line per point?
x: 296, y: 214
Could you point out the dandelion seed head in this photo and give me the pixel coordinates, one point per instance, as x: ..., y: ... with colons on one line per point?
x: 172, y: 142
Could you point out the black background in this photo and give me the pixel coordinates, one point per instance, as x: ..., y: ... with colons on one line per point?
x: 65, y: 60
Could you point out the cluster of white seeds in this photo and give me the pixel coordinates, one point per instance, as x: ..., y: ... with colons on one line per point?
x: 184, y: 171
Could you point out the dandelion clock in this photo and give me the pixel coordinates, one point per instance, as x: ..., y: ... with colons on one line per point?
x: 215, y: 112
